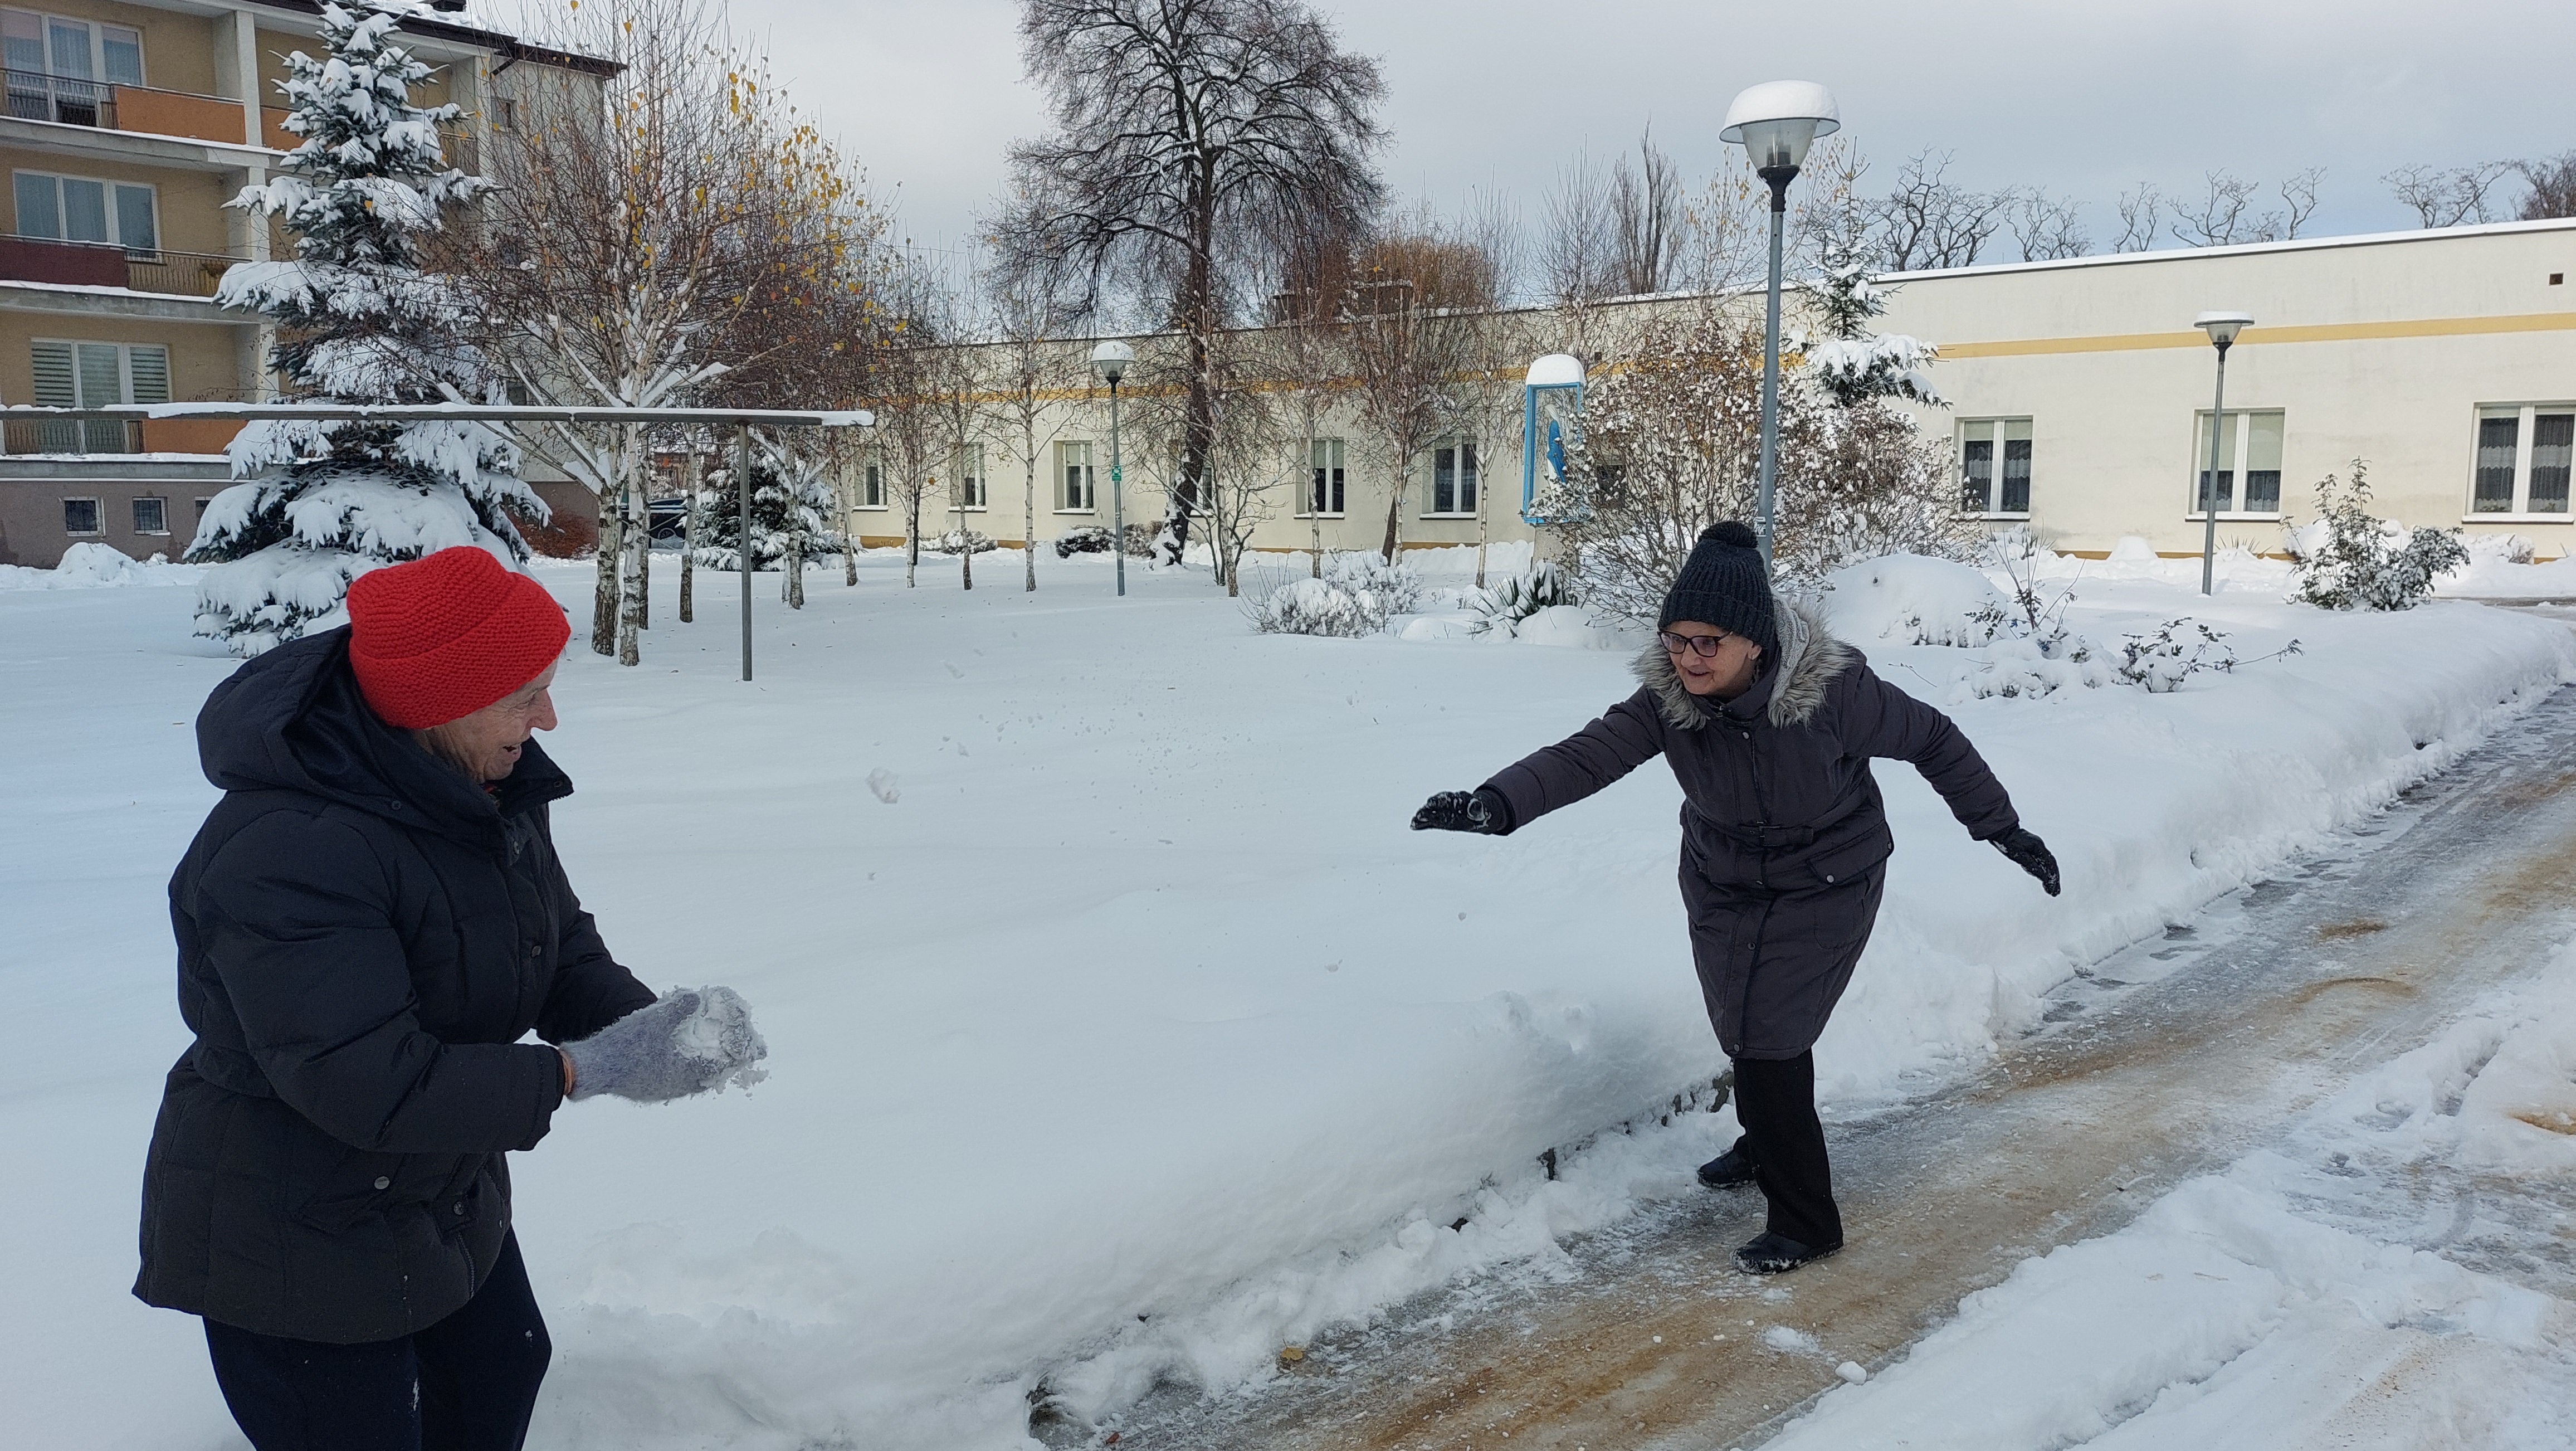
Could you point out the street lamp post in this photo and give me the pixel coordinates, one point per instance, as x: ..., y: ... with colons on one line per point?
x: 2222, y: 328
x: 1776, y: 122
x: 1110, y: 360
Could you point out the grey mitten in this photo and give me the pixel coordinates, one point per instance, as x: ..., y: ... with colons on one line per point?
x: 687, y: 1042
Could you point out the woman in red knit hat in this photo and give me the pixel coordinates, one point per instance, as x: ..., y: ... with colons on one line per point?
x: 368, y: 923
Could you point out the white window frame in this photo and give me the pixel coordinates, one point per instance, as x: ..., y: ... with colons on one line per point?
x: 2526, y: 425
x: 872, y: 485
x: 2233, y: 467
x: 137, y: 502
x: 969, y: 487
x: 97, y: 46
x: 1474, y: 475
x: 97, y: 514
x: 1337, y: 450
x: 1065, y: 454
x: 505, y: 114
x: 124, y: 367
x: 1998, y: 428
x: 114, y: 224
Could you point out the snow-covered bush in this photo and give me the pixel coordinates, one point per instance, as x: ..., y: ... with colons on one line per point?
x: 2162, y: 659
x: 2350, y: 560
x: 1096, y: 539
x: 317, y: 504
x: 1398, y: 586
x: 964, y: 541
x: 1318, y: 607
x: 1513, y: 599
x: 2025, y: 668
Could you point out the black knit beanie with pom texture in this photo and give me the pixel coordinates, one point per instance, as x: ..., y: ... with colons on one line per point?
x: 1724, y: 584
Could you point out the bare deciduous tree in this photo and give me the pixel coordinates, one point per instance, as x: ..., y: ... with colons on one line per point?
x: 2141, y: 213
x: 2450, y: 196
x: 2553, y: 186
x: 1182, y: 129
x: 1409, y: 322
x: 1025, y: 367
x: 1928, y: 221
x: 2048, y: 228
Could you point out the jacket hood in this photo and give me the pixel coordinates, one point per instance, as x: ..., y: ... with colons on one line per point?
x: 292, y: 720
x: 1810, y: 658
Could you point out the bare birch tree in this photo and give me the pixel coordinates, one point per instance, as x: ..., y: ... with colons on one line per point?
x: 1181, y: 129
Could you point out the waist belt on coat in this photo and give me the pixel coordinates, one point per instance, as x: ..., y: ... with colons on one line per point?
x: 1766, y: 836
x: 232, y: 1071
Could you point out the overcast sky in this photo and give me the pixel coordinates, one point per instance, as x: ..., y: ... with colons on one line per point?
x: 2084, y: 99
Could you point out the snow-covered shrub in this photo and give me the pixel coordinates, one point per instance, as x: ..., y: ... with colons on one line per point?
x: 1397, y: 586
x: 964, y: 541
x: 2350, y: 560
x: 1513, y: 599
x: 1908, y: 599
x: 2025, y: 668
x: 1318, y: 607
x: 1096, y: 539
x: 2161, y: 660
x: 360, y: 321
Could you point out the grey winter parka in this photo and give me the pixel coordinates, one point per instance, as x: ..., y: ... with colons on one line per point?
x: 1784, y: 834
x: 364, y: 936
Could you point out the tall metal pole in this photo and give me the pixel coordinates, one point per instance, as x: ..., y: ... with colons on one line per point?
x: 2209, y: 481
x: 1778, y: 177
x: 1117, y: 495
x: 742, y: 482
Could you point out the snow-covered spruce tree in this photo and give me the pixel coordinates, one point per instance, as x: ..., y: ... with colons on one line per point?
x: 1851, y: 364
x: 791, y: 517
x: 359, y: 321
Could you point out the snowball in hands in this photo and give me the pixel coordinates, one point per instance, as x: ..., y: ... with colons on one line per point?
x: 688, y: 1042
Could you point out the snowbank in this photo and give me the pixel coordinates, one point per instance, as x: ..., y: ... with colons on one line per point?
x: 1133, y: 1036
x: 98, y: 566
x: 2267, y: 1307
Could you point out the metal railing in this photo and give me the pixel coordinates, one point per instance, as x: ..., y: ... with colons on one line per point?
x: 36, y: 96
x: 71, y: 435
x: 105, y: 264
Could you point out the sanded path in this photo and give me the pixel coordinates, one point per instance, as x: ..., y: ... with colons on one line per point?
x: 2170, y: 1059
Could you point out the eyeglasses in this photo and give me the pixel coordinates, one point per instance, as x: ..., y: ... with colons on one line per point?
x: 1704, y: 646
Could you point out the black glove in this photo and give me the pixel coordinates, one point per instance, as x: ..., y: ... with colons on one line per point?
x: 2030, y: 854
x: 1485, y: 810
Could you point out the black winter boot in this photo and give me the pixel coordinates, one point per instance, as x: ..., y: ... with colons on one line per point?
x: 1777, y: 1254
x: 1729, y: 1169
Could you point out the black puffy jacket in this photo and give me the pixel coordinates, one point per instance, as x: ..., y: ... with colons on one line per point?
x: 364, y: 936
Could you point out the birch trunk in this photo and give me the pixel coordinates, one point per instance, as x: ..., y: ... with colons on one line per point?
x: 689, y: 539
x: 795, y: 582
x: 912, y: 540
x: 612, y: 564
x: 630, y: 592
x: 1029, y: 518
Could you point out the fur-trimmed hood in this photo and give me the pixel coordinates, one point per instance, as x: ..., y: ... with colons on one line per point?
x: 1810, y: 657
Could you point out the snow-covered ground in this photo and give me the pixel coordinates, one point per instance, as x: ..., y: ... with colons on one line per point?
x: 2271, y: 1305
x: 1119, y: 1028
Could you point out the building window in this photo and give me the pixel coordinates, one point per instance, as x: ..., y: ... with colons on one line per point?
x: 1453, y: 478
x: 1324, y: 495
x: 1074, y: 482
x: 2248, y: 483
x: 80, y: 516
x: 505, y: 114
x: 1994, y: 467
x: 85, y: 209
x: 967, y: 484
x: 95, y: 375
x: 2524, y: 458
x: 56, y: 63
x: 151, y: 516
x: 872, y: 484
x: 201, y: 506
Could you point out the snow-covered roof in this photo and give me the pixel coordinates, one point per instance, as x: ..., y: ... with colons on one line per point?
x: 2248, y: 249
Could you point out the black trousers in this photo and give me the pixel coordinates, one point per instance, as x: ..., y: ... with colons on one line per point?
x: 466, y: 1383
x: 1775, y: 1100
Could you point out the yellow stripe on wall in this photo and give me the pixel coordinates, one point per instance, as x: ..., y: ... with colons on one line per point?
x: 2331, y: 332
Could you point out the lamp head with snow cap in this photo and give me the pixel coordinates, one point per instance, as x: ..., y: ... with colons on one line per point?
x: 1775, y: 122
x: 1110, y: 359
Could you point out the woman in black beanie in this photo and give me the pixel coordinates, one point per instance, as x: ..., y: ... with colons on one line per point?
x: 1769, y: 724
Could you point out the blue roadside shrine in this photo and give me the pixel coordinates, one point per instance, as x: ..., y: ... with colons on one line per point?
x: 1552, y: 401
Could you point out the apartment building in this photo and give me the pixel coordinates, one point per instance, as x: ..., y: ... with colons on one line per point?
x: 2080, y: 405
x: 127, y: 127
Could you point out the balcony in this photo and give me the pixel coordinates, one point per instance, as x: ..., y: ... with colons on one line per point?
x: 104, y: 264
x: 89, y: 436
x: 35, y: 96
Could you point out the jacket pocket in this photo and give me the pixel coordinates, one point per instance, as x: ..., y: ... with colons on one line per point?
x: 361, y: 1184
x: 1841, y: 863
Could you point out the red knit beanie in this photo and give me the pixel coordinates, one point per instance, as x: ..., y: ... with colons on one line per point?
x: 445, y: 636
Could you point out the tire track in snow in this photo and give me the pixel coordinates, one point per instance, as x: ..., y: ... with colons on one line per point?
x: 2169, y: 1059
